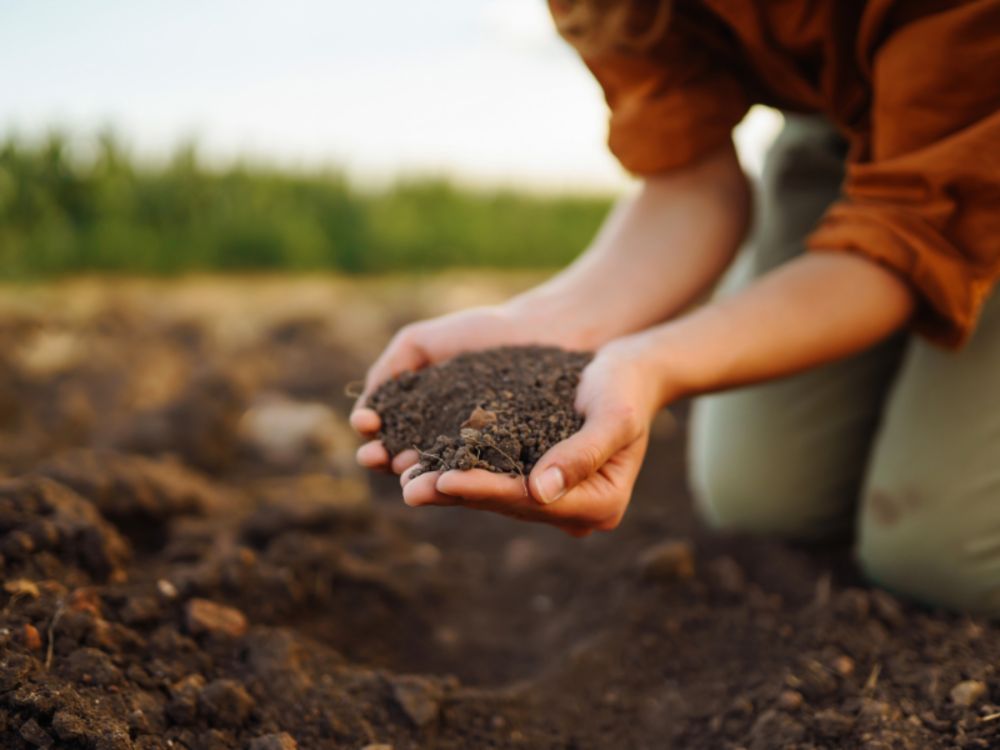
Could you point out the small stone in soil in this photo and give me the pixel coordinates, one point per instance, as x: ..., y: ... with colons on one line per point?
x: 888, y: 608
x: 205, y: 616
x: 281, y: 741
x: 419, y: 698
x: 790, y: 700
x: 832, y: 723
x: 727, y: 574
x: 668, y: 561
x: 968, y: 693
x: 32, y: 638
x: 843, y: 665
x: 21, y: 587
x: 225, y: 703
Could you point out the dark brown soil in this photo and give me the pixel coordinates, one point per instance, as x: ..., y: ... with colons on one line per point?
x: 269, y: 598
x: 499, y: 409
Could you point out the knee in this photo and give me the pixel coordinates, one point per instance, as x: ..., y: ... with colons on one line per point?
x: 745, y: 494
x: 928, y: 558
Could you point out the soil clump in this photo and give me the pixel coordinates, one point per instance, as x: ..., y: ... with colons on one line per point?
x: 499, y: 409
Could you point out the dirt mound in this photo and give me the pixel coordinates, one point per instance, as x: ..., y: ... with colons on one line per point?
x: 287, y: 603
x: 498, y: 409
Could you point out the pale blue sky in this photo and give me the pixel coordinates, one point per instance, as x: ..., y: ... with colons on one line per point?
x: 480, y: 89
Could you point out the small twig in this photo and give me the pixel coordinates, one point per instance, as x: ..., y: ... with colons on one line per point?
x: 355, y: 388
x: 490, y: 442
x: 52, y: 632
x: 990, y: 717
x: 872, y: 680
x: 514, y: 464
x: 427, y: 455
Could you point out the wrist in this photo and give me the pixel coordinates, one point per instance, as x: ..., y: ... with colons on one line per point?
x: 556, y: 318
x: 644, y: 355
x: 671, y: 361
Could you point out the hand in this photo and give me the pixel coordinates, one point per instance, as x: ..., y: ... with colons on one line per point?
x: 430, y: 341
x: 584, y: 483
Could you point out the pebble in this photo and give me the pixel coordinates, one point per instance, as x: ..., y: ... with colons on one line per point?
x: 790, y: 700
x: 281, y: 741
x: 968, y: 693
x: 874, y: 709
x: 21, y: 587
x: 843, y: 665
x: 225, y: 702
x: 17, y: 545
x: 85, y: 600
x: 668, y: 561
x: 183, y: 706
x: 832, y: 723
x: 139, y: 610
x: 521, y: 555
x: 166, y: 588
x: 32, y: 638
x: 419, y: 698
x: 727, y: 575
x: 887, y: 608
x: 426, y: 555
x: 815, y: 680
x: 205, y: 616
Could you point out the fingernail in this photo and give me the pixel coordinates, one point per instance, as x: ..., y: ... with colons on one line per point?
x: 551, y: 485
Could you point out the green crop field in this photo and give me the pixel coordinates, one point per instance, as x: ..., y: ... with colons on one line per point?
x: 62, y: 213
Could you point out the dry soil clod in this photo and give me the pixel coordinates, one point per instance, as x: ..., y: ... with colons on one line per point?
x: 499, y: 409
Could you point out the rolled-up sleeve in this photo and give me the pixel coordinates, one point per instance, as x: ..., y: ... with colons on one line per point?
x: 669, y: 105
x: 925, y: 198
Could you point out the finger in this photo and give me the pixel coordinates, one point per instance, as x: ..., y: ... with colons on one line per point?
x: 400, y: 355
x: 421, y: 490
x: 373, y: 455
x: 408, y: 474
x: 501, y: 493
x: 479, y: 484
x: 365, y: 421
x: 404, y: 460
x: 605, y: 432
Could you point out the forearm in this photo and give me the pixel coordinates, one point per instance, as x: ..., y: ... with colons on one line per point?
x: 816, y: 309
x: 656, y: 253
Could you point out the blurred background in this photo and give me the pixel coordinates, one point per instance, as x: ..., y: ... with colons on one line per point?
x: 163, y: 138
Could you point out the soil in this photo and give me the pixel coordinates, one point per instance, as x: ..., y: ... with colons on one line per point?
x: 499, y: 409
x: 264, y: 595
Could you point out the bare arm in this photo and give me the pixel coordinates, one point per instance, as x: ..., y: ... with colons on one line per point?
x: 657, y: 252
x: 813, y: 310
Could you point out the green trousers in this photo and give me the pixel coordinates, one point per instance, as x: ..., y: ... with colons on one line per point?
x: 900, y: 443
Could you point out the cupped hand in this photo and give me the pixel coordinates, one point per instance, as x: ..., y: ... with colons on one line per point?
x: 428, y: 342
x: 583, y: 483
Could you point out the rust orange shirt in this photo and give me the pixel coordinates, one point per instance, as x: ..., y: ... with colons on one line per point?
x: 914, y: 86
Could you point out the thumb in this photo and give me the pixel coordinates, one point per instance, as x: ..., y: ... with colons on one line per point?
x: 606, y: 431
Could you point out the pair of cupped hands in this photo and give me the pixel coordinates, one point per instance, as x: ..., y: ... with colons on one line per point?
x: 582, y: 484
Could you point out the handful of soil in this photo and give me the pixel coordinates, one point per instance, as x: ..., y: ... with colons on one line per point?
x: 498, y: 409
